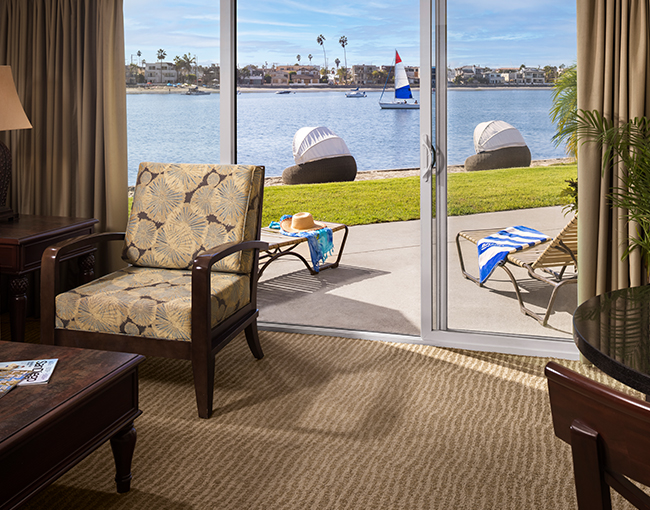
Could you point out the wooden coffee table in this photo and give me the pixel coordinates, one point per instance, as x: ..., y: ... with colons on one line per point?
x: 92, y: 397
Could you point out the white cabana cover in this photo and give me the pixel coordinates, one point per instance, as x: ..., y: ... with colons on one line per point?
x: 314, y: 143
x: 496, y: 134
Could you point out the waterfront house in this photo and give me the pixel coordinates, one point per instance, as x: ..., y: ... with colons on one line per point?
x: 301, y: 73
x: 532, y: 76
x: 279, y: 77
x: 362, y: 74
x: 160, y: 73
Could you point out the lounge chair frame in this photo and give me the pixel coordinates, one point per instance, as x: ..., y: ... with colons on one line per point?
x: 560, y: 252
x: 281, y: 245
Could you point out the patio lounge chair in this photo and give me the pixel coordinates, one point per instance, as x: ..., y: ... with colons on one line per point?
x: 545, y: 262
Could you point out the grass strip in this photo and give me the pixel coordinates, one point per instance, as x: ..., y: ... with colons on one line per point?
x: 398, y: 199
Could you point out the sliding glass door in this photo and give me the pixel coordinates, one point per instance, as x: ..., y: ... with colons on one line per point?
x: 473, y: 83
x: 450, y: 306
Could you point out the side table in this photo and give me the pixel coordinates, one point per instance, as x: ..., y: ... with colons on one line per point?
x: 22, y: 244
x: 91, y: 398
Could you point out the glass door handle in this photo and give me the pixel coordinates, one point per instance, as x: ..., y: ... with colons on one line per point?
x: 431, y: 159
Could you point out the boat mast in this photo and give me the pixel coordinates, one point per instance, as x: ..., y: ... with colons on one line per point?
x: 387, y: 76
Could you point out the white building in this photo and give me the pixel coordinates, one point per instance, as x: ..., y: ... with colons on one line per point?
x: 161, y: 73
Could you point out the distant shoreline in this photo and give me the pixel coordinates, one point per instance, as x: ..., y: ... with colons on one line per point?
x: 162, y: 89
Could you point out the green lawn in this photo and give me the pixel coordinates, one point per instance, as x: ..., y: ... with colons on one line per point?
x: 383, y: 200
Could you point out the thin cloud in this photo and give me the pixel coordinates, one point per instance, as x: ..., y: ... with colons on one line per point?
x: 208, y: 17
x: 271, y: 22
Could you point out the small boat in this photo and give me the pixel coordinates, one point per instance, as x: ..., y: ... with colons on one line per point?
x: 283, y: 92
x: 355, y: 93
x: 403, y: 99
x: 195, y: 91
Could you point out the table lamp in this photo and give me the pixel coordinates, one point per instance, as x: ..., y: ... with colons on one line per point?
x: 12, y: 116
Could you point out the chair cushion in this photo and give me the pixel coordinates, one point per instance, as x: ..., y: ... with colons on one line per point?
x: 181, y: 210
x: 147, y: 302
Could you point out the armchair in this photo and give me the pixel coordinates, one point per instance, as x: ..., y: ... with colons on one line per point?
x: 190, y: 286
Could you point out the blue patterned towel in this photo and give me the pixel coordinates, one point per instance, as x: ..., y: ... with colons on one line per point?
x: 320, y: 242
x: 492, y: 250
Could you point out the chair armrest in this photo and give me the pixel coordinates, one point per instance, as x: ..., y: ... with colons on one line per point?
x: 201, y: 271
x: 50, y: 275
x: 55, y: 251
x: 207, y: 259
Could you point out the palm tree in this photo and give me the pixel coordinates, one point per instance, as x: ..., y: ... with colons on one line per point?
x: 626, y: 143
x: 161, y: 56
x: 139, y: 54
x: 321, y: 40
x: 298, y: 58
x: 337, y: 62
x: 310, y: 56
x: 343, y: 41
x: 565, y: 110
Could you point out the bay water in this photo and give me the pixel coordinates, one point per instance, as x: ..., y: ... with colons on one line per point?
x: 177, y: 128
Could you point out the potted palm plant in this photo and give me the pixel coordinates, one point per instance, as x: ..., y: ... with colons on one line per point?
x: 627, y: 143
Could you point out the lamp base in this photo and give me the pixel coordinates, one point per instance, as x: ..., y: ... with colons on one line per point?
x: 6, y: 213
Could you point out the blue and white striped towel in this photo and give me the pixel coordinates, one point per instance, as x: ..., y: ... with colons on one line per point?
x: 492, y: 250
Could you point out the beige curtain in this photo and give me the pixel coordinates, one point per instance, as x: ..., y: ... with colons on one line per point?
x: 67, y: 58
x: 613, y: 78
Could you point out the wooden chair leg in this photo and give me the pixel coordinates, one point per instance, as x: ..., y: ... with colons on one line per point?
x: 203, y: 370
x: 253, y: 339
x: 591, y: 489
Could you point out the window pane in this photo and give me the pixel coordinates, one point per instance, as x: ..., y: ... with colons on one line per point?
x: 172, y: 48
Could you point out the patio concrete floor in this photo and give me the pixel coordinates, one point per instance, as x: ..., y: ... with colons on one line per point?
x: 377, y: 285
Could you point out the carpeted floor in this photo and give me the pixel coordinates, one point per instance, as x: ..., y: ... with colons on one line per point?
x: 333, y: 423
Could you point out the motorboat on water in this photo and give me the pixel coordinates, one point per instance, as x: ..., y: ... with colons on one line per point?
x: 355, y: 93
x: 403, y: 98
x: 196, y: 91
x: 283, y: 92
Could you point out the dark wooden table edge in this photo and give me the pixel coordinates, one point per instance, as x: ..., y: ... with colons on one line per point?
x: 88, y: 393
x: 79, y: 454
x: 614, y: 368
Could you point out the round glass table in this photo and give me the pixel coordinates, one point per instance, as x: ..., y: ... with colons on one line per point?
x: 613, y: 332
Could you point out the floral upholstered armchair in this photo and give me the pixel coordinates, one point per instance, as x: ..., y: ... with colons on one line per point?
x: 190, y: 286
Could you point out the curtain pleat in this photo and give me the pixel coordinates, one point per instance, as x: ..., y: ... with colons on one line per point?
x: 613, y: 78
x: 67, y: 58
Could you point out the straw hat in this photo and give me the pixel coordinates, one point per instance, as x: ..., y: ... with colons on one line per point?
x: 301, y: 222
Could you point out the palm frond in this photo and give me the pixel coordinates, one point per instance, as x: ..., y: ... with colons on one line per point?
x: 563, y: 113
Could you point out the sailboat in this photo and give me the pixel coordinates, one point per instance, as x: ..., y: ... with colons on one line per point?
x: 403, y: 99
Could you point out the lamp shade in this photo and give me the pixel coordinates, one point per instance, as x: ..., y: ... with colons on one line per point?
x: 12, y: 115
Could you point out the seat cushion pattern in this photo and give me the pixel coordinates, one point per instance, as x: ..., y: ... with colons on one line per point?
x: 181, y: 210
x: 252, y: 221
x: 147, y: 302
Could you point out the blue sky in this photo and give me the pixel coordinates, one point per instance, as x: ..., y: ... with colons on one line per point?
x: 494, y: 33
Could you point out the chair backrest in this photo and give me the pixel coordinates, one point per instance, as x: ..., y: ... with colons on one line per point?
x: 562, y: 250
x: 609, y: 434
x: 181, y: 210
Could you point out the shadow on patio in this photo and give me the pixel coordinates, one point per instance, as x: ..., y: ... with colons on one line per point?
x: 377, y: 286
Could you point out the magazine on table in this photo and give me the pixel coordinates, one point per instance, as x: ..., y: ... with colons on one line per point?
x: 37, y: 371
x: 10, y: 377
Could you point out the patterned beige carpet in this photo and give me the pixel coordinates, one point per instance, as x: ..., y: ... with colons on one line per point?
x: 332, y: 423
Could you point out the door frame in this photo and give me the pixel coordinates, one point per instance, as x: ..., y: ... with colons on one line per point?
x: 434, y: 243
x: 433, y: 238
